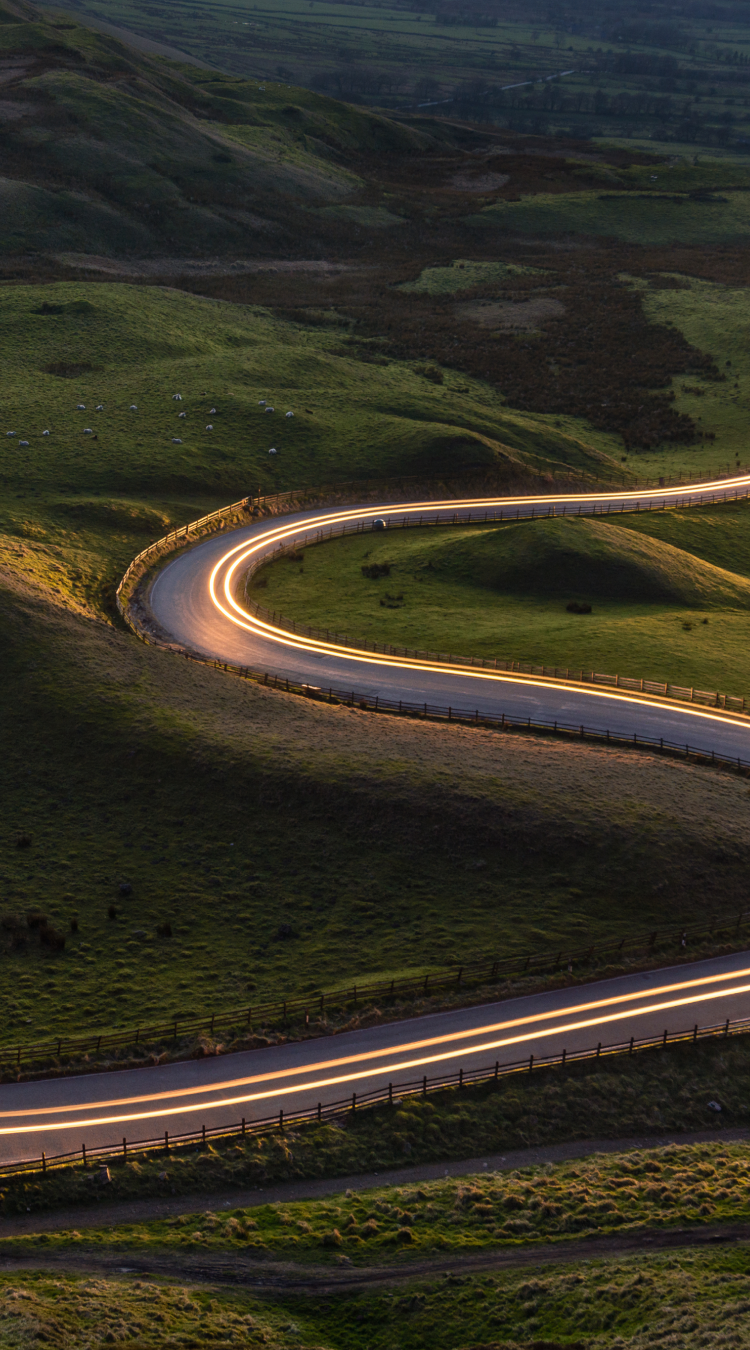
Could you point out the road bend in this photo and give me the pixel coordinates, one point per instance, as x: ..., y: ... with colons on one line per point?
x: 59, y: 1116
x: 195, y: 601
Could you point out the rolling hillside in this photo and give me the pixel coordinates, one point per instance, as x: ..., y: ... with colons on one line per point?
x: 108, y: 150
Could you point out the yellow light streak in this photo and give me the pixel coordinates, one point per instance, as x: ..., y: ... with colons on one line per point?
x: 342, y: 1079
x: 240, y: 553
x: 407, y: 1046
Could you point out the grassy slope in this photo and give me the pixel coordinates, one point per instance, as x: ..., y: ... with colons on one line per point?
x: 74, y: 510
x: 683, y: 1299
x: 672, y: 1186
x: 134, y: 154
x: 186, y: 784
x: 504, y: 592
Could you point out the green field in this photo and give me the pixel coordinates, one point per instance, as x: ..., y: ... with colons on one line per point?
x: 660, y: 612
x: 75, y: 507
x: 635, y: 219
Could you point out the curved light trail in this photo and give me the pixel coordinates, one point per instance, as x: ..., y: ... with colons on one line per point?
x: 193, y: 599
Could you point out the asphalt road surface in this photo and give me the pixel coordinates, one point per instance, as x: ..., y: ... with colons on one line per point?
x: 193, y: 600
x: 60, y: 1115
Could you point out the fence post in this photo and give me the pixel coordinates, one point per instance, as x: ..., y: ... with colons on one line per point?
x: 531, y: 1063
x: 125, y: 1150
x: 44, y: 1163
x: 598, y: 1050
x: 390, y: 1094
x: 281, y: 1121
x: 695, y: 1033
x: 354, y: 1102
x: 664, y: 1041
x: 83, y: 1154
x: 243, y: 1127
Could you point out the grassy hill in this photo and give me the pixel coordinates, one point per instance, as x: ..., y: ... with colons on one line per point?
x: 670, y: 593
x: 110, y: 151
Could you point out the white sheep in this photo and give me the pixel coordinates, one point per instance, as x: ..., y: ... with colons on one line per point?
x: 87, y: 431
x: 10, y: 433
x: 134, y: 407
x: 100, y: 407
x: 289, y: 414
x: 45, y: 433
x: 211, y: 410
x: 176, y: 440
x: 182, y: 414
x: 80, y: 407
x: 269, y: 409
x: 23, y: 442
x: 209, y: 427
x: 272, y: 452
x: 261, y: 402
x: 177, y: 398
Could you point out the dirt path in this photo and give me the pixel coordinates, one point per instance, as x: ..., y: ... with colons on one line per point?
x: 270, y: 1277
x: 111, y: 1215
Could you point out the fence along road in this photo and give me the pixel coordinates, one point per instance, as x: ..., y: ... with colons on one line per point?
x: 194, y: 602
x: 59, y: 1116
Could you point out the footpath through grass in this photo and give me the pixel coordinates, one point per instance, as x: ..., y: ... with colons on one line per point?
x: 669, y: 592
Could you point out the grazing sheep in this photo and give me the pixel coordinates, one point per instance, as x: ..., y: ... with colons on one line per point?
x: 177, y: 398
x: 211, y: 410
x: 182, y: 414
x: 100, y: 407
x: 45, y: 433
x: 134, y: 407
x: 10, y: 433
x: 289, y: 414
x: 209, y: 427
x: 272, y: 452
x: 176, y: 440
x: 268, y: 409
x: 87, y: 431
x: 80, y: 407
x: 23, y: 442
x: 261, y: 402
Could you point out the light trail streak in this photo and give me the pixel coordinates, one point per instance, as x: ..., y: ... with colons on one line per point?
x: 235, y: 557
x: 421, y: 1062
x: 408, y: 1046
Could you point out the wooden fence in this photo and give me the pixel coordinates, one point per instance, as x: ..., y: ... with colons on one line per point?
x: 663, y: 690
x: 390, y: 1095
x: 305, y: 1010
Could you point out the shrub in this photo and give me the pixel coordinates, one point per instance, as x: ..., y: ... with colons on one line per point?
x: 23, y: 841
x: 36, y: 920
x: 164, y: 929
x: 578, y: 607
x: 332, y: 1239
x: 375, y: 570
x: 74, y: 925
x: 112, y: 912
x: 433, y: 373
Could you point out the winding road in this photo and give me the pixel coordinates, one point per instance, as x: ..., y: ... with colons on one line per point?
x: 59, y: 1115
x: 193, y: 600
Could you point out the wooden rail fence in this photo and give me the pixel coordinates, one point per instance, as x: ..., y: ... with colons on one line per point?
x: 390, y: 1095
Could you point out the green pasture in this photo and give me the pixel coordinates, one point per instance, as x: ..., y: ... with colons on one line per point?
x: 77, y: 504
x: 629, y: 217
x: 669, y: 592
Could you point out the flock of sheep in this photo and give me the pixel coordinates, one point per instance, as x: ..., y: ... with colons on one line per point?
x: 176, y: 398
